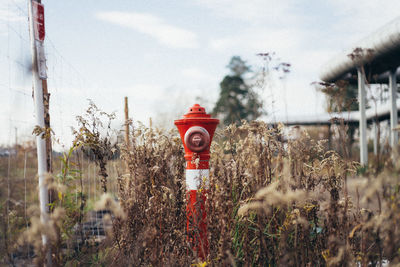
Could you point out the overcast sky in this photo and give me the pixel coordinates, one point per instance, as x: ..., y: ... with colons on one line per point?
x: 164, y: 54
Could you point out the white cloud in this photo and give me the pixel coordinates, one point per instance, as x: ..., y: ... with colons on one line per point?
x: 268, y: 26
x: 11, y: 16
x: 9, y: 13
x: 261, y: 40
x: 169, y: 35
x: 254, y: 11
x: 143, y: 91
x: 367, y: 11
x: 12, y: 10
x: 355, y: 20
x: 197, y: 74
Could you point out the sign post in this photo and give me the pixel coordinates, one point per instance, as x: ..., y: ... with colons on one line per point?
x: 41, y: 104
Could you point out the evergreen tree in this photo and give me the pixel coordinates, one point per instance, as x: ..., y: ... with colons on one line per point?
x: 237, y: 100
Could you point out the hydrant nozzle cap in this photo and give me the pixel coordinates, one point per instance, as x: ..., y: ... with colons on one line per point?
x: 197, y: 139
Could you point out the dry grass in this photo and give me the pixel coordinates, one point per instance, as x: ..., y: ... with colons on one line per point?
x: 270, y: 203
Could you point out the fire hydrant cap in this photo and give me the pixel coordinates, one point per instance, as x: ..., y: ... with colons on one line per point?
x: 197, y: 139
x: 196, y: 111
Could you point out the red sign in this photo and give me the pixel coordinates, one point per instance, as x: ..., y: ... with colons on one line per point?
x: 38, y: 20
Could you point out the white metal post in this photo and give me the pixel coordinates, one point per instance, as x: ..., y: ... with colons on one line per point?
x: 375, y: 128
x: 393, y: 108
x: 39, y: 114
x: 363, y: 119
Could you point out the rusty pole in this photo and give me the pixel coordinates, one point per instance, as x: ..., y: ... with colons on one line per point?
x: 127, y: 142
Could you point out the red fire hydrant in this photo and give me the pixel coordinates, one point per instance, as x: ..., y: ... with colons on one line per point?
x: 197, y: 130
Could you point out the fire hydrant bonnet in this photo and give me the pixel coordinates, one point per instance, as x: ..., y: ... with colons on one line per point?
x: 196, y: 129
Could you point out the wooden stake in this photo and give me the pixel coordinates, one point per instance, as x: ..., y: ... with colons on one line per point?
x: 127, y: 142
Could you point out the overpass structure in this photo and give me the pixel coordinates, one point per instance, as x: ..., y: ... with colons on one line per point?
x: 373, y: 60
x: 382, y: 113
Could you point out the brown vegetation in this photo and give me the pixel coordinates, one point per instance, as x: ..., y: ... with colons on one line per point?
x: 270, y: 203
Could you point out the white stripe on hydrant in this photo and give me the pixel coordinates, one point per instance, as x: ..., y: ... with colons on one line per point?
x: 196, y: 179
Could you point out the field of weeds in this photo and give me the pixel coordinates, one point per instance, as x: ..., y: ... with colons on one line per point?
x: 272, y: 201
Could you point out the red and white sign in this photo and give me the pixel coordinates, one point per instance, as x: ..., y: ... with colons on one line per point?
x: 38, y: 20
